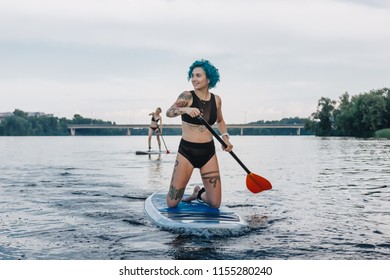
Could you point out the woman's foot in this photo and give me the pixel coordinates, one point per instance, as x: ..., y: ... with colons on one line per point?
x: 193, y: 196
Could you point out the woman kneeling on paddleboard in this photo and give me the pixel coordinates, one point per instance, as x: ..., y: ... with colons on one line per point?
x: 196, y: 149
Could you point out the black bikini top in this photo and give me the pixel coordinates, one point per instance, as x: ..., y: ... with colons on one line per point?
x: 208, y: 109
x: 154, y: 120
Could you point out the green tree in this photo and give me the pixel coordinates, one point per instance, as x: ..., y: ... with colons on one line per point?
x: 16, y: 126
x: 50, y: 125
x: 385, y: 92
x: 369, y: 111
x: 20, y: 113
x: 2, y: 129
x: 36, y: 126
x: 323, y: 121
x: 344, y: 116
x: 359, y: 115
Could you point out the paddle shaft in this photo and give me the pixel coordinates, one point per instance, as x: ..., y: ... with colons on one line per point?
x: 205, y: 123
x: 162, y: 138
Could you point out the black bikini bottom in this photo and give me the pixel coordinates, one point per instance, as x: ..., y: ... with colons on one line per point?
x: 198, y: 154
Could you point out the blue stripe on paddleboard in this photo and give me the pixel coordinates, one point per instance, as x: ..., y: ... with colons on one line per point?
x: 193, y: 218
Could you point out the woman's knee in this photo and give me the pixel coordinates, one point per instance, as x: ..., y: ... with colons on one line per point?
x: 214, y: 202
x: 172, y: 203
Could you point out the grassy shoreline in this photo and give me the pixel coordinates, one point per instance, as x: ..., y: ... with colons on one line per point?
x: 383, y: 133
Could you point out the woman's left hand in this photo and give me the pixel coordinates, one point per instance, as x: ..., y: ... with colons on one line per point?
x: 229, y: 147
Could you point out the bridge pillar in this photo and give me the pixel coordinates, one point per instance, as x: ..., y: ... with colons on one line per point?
x: 128, y: 132
x: 72, y: 132
x: 299, y: 131
x: 242, y: 131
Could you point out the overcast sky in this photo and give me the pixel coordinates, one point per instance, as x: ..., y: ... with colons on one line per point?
x: 117, y: 60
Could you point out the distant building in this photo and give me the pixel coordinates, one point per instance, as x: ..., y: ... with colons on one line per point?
x: 38, y: 114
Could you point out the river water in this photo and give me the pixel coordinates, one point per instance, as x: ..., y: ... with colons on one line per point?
x: 82, y: 198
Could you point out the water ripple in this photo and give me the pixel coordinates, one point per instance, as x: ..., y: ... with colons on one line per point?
x: 331, y: 200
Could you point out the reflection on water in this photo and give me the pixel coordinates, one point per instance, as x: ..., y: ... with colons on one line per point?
x: 82, y: 198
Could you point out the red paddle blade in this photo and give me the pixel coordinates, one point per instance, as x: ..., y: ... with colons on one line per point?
x: 256, y: 183
x: 168, y: 152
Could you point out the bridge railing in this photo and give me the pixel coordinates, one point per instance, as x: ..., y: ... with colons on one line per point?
x: 74, y: 127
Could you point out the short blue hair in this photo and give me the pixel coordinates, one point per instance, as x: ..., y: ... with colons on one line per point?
x: 211, y: 72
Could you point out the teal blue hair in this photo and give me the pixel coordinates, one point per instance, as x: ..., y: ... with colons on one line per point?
x: 212, y: 73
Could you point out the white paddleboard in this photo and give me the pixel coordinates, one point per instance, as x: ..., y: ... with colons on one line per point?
x: 193, y: 217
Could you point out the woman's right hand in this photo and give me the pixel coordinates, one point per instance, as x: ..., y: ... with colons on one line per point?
x: 193, y: 112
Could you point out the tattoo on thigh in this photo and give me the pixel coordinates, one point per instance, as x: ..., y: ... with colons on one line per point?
x: 174, y: 193
x: 213, y: 179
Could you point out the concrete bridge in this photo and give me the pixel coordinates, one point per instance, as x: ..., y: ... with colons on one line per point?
x: 73, y: 127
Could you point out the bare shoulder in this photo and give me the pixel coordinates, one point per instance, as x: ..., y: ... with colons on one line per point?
x: 185, y: 95
x: 218, y: 100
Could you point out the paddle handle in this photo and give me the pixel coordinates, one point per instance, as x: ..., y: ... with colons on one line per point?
x: 206, y: 124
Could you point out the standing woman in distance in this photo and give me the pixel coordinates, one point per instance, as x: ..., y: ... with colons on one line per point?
x: 196, y: 149
x: 154, y: 127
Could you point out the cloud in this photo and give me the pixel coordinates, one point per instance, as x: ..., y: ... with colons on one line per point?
x: 171, y: 25
x: 279, y: 57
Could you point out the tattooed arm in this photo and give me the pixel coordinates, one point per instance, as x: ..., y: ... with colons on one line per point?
x: 179, y: 107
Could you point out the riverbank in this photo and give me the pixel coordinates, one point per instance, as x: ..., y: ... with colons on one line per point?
x: 383, y: 133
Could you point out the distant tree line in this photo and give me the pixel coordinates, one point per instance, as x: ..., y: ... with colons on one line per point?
x: 358, y: 116
x: 21, y: 124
